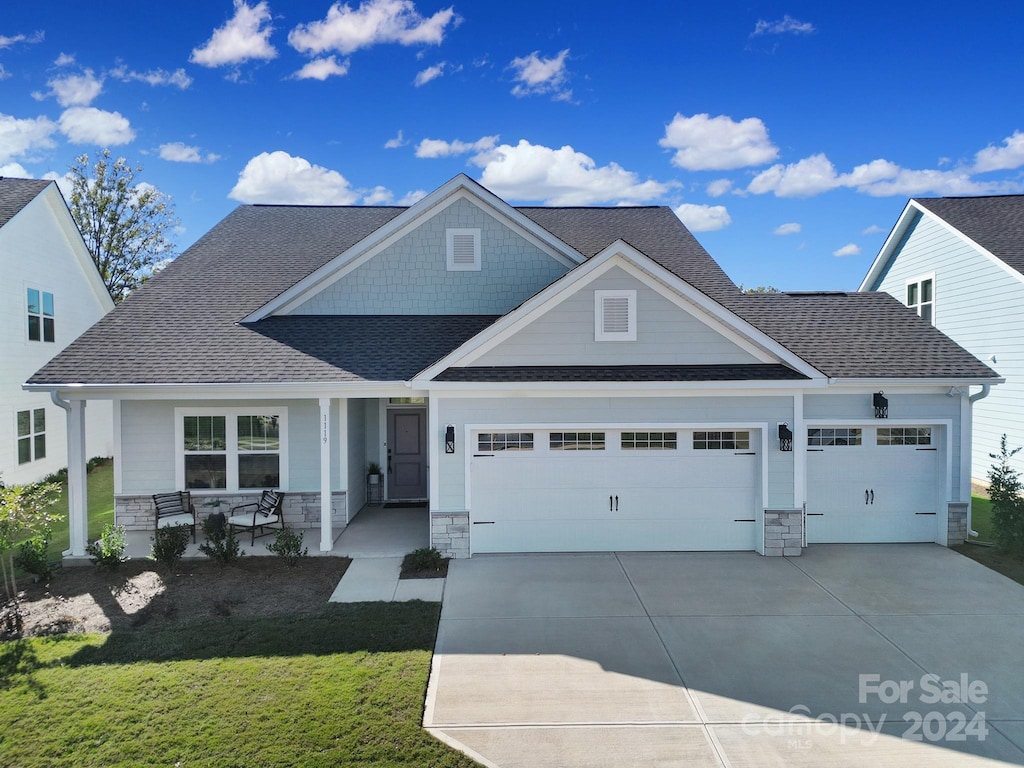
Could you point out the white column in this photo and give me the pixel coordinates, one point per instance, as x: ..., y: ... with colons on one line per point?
x: 966, y: 442
x: 343, y: 479
x: 434, y: 437
x: 78, y: 500
x: 326, y: 529
x: 799, y: 452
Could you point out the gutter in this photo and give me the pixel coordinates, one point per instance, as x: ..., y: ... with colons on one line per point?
x: 985, y: 390
x: 59, y: 401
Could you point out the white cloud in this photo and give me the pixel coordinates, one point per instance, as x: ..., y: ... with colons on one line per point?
x: 413, y: 197
x: 874, y: 229
x: 705, y: 143
x: 347, y: 30
x: 88, y: 125
x: 395, y: 143
x: 424, y: 76
x: 789, y: 228
x: 4, y: 74
x: 76, y: 90
x: 65, y: 182
x: 560, y: 176
x: 536, y: 75
x: 703, y: 218
x: 378, y: 196
x: 20, y: 137
x: 64, y: 60
x: 7, y: 41
x: 178, y: 78
x: 1004, y: 158
x: 277, y: 177
x: 14, y: 171
x: 322, y: 68
x: 718, y: 187
x: 810, y: 176
x: 851, y: 249
x: 178, y: 152
x: 431, y: 148
x: 244, y: 37
x: 788, y: 25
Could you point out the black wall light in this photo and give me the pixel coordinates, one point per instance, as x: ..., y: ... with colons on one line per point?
x: 785, y: 437
x: 449, y: 439
x: 881, y: 406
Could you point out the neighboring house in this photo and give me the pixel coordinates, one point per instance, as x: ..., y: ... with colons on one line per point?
x: 545, y: 379
x: 51, y: 293
x: 959, y: 263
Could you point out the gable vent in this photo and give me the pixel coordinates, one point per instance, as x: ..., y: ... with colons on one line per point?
x: 463, y: 249
x: 615, y: 315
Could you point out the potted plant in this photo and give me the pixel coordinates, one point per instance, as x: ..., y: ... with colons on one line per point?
x: 373, y: 473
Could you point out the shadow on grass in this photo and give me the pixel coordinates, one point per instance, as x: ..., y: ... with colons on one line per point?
x: 347, y: 628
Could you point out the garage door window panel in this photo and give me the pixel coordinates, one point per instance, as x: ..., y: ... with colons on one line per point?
x: 649, y: 441
x: 834, y: 437
x: 505, y: 441
x: 914, y: 436
x: 576, y: 441
x: 721, y: 441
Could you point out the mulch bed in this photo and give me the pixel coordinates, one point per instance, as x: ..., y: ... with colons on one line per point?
x: 144, y: 593
x: 410, y: 572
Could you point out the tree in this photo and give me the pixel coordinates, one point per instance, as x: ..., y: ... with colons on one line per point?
x: 125, y: 223
x: 24, y: 510
x: 760, y: 289
x: 1004, y: 490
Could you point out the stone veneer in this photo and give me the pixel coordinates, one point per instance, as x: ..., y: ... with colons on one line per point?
x: 957, y: 524
x: 783, y: 532
x: 449, y: 533
x: 301, y: 509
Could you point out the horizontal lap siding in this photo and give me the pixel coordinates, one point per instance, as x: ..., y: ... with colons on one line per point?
x: 666, y: 334
x: 980, y: 306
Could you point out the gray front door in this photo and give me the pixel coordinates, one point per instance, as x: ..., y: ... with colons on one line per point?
x: 407, y: 453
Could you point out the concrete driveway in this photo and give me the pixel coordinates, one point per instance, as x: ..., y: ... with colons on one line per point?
x: 731, y: 659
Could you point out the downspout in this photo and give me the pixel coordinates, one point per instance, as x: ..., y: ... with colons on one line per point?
x: 985, y: 390
x: 59, y: 401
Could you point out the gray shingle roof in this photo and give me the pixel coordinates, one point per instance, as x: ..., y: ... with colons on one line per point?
x: 15, y: 194
x: 585, y: 373
x: 995, y: 223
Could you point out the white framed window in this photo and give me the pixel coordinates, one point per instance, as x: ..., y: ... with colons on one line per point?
x: 231, y: 449
x: 614, y: 315
x: 834, y: 436
x: 576, y: 441
x: 31, y: 435
x: 505, y: 441
x: 921, y: 296
x: 39, y: 306
x: 649, y: 441
x: 904, y: 436
x: 721, y: 441
x: 463, y: 250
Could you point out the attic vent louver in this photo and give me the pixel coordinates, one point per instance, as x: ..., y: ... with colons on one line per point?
x: 615, y: 315
x: 463, y: 250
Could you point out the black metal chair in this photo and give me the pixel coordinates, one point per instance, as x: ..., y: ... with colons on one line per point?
x: 262, y: 515
x: 175, y: 508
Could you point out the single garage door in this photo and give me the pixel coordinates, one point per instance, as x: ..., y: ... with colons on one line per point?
x: 614, y: 489
x: 873, y: 484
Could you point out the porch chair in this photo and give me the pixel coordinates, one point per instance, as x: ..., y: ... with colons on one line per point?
x: 263, y: 514
x: 175, y: 508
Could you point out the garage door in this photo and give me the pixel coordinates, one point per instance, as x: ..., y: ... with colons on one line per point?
x: 614, y: 489
x: 873, y: 484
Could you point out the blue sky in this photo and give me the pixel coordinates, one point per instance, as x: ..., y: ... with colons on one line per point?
x: 782, y: 133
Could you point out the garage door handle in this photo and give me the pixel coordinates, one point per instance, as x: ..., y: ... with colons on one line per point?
x: 927, y: 449
x: 616, y: 503
x: 610, y: 508
x: 924, y: 513
x: 872, y: 495
x: 865, y: 497
x: 483, y: 522
x: 746, y: 453
x: 815, y: 514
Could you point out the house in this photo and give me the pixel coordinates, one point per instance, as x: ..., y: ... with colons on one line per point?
x: 543, y: 379
x: 51, y: 293
x: 958, y: 262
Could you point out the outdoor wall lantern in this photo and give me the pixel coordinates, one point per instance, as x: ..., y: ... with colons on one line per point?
x: 449, y: 439
x: 881, y: 406
x: 785, y: 437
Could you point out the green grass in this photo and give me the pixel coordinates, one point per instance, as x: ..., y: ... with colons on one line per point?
x: 344, y: 687
x: 981, y: 518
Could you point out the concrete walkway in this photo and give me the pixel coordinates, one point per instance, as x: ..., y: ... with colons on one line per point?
x: 376, y: 579
x: 730, y: 659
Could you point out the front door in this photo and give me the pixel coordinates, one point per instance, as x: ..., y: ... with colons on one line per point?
x: 407, y: 453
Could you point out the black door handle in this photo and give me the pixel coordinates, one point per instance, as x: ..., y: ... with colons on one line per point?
x: 609, y: 503
x: 865, y: 497
x: 616, y: 503
x: 872, y: 495
x: 389, y: 461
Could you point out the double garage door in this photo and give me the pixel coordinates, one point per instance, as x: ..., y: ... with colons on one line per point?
x: 567, y: 490
x: 874, y: 484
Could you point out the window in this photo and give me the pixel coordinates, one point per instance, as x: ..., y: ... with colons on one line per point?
x: 576, y: 441
x: 904, y: 436
x: 649, y: 441
x: 833, y: 436
x: 407, y: 401
x: 234, y: 450
x: 31, y: 435
x: 921, y: 297
x: 615, y: 315
x: 721, y: 441
x: 463, y: 250
x: 505, y: 441
x: 40, y: 315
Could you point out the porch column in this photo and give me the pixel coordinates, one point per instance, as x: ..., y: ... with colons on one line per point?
x: 78, y: 501
x: 326, y: 528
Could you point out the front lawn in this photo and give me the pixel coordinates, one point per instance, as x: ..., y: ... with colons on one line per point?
x: 981, y: 518
x: 342, y: 687
x: 100, y: 490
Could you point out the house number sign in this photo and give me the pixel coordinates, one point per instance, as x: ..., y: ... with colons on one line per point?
x: 324, y: 417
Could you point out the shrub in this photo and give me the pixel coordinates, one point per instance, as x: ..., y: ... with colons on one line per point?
x: 108, y: 550
x: 221, y: 544
x: 288, y: 546
x: 1005, y: 488
x: 424, y: 559
x: 96, y: 461
x: 33, y: 555
x: 169, y: 544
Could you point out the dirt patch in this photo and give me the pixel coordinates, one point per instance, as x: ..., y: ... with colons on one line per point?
x: 88, y: 599
x: 979, y: 489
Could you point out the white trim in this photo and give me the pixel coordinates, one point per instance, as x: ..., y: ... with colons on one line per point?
x: 324, y: 430
x: 449, y: 239
x: 966, y: 441
x: 78, y: 486
x: 342, y: 460
x: 434, y: 437
x: 118, y: 454
x: 600, y: 334
x: 799, y: 430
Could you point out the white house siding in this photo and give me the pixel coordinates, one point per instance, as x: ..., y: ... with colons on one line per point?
x: 36, y: 252
x: 666, y: 334
x: 357, y: 453
x: 980, y: 305
x: 628, y: 411
x: 411, y: 276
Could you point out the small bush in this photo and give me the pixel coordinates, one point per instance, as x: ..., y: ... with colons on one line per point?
x: 97, y: 461
x: 108, y: 551
x: 60, y: 476
x: 169, y: 544
x: 221, y: 544
x: 288, y: 546
x: 1005, y: 489
x: 426, y: 560
x: 33, y: 556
